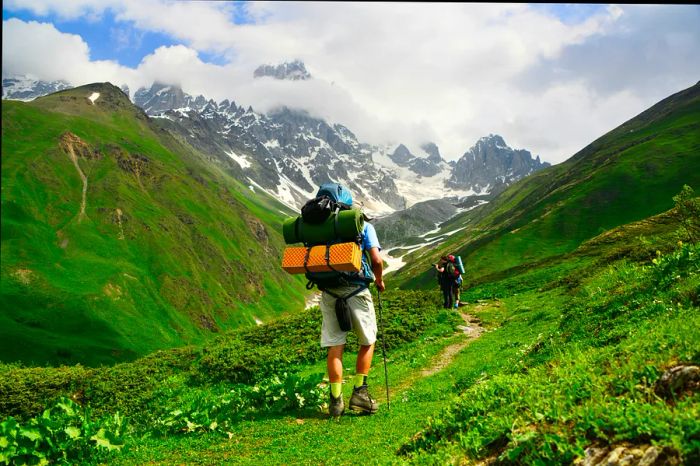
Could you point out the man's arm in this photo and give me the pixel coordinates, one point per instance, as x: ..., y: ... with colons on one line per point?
x: 377, y: 267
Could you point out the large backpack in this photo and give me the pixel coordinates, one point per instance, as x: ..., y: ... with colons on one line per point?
x: 331, y: 199
x: 450, y: 274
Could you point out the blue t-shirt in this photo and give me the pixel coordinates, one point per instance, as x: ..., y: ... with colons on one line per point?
x: 369, y: 238
x: 369, y: 241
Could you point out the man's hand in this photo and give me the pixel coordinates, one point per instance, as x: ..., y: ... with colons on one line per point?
x: 377, y: 265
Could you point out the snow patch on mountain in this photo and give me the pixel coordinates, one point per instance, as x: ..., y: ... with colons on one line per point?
x: 239, y: 159
x: 416, y: 188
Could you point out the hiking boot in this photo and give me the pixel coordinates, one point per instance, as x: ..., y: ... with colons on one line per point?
x: 362, y: 402
x: 336, y: 406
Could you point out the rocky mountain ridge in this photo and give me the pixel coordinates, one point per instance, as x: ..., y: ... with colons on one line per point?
x: 490, y: 165
x: 288, y: 152
x: 26, y: 88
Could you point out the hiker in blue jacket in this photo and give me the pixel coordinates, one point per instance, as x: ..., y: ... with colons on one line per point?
x: 364, y: 325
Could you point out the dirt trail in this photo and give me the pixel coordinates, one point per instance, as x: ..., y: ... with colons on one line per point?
x: 472, y: 330
x: 68, y: 141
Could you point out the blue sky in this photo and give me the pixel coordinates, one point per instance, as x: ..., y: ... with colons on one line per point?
x: 121, y: 41
x: 107, y: 38
x: 549, y: 78
x: 570, y: 13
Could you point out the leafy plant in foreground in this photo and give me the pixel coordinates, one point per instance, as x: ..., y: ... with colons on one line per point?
x: 217, y: 410
x: 63, y: 434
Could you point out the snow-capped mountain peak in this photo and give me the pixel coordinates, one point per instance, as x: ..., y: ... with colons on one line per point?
x: 292, y: 71
x: 289, y: 153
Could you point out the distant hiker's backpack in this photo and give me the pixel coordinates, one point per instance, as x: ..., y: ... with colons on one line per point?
x: 450, y: 274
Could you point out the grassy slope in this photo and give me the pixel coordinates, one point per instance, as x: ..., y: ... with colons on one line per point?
x: 571, y: 359
x: 195, y: 256
x: 626, y: 175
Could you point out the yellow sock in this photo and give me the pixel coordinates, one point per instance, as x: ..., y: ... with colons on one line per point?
x: 359, y: 380
x: 336, y: 389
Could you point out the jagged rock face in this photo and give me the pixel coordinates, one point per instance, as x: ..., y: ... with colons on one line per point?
x: 162, y: 97
x: 402, y: 156
x: 287, y: 152
x: 490, y: 164
x: 433, y: 152
x: 294, y: 71
x: 311, y: 152
x: 22, y: 88
x: 425, y: 167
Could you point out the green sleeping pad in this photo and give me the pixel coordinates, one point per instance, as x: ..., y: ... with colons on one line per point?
x: 348, y: 227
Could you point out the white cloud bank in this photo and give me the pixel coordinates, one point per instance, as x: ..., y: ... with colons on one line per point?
x: 395, y: 72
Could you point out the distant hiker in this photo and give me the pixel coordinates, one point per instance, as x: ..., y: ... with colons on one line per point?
x: 448, y: 274
x: 354, y: 291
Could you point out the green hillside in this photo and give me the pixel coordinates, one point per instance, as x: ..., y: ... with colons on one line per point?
x: 567, y: 357
x: 628, y: 174
x: 118, y: 239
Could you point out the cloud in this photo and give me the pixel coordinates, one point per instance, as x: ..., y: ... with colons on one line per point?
x: 400, y: 72
x: 71, y: 10
x: 40, y: 50
x: 654, y: 50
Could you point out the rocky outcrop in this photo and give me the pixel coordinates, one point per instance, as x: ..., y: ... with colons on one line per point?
x: 162, y: 97
x: 433, y: 152
x: 678, y: 381
x: 629, y: 455
x: 490, y: 165
x: 425, y: 167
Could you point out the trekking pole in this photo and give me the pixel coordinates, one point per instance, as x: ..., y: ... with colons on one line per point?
x: 386, y: 372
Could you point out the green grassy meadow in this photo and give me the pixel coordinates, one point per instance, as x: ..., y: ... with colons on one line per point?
x: 167, y: 254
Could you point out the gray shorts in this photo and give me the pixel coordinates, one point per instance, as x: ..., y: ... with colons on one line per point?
x: 364, y: 321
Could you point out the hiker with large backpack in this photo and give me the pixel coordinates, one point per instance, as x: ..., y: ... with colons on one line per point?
x: 329, y: 227
x: 448, y: 275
